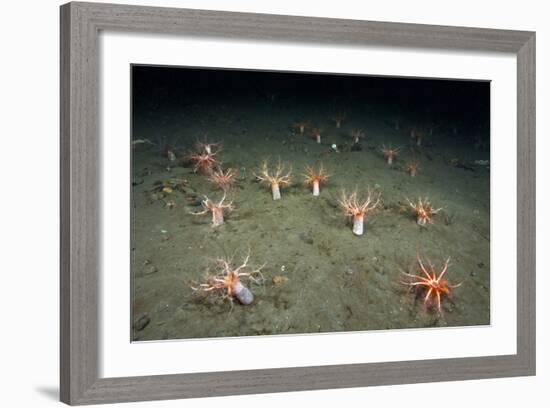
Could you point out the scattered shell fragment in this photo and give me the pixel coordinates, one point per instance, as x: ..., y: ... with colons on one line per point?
x: 141, y: 141
x: 482, y: 162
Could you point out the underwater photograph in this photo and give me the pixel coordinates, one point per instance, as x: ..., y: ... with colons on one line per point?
x: 270, y: 203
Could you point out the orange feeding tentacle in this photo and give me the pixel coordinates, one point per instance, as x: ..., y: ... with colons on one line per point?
x: 434, y: 284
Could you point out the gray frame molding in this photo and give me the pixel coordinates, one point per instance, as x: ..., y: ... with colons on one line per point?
x: 80, y: 26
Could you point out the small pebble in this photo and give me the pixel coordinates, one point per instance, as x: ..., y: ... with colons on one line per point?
x: 141, y: 322
x: 150, y: 270
x: 306, y: 238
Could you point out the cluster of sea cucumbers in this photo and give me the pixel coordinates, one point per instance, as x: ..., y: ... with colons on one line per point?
x: 227, y: 281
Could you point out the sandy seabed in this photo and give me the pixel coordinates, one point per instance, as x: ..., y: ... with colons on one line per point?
x: 318, y: 276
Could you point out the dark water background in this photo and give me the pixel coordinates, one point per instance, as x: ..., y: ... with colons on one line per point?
x: 319, y: 277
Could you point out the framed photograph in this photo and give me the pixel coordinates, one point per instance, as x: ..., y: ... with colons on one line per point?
x: 261, y: 203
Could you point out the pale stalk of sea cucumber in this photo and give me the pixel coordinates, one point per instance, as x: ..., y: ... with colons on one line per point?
x: 318, y: 137
x: 390, y: 160
x: 421, y: 221
x: 358, y: 224
x: 413, y: 172
x: 276, y: 191
x: 217, y: 217
x: 171, y: 155
x: 208, y: 149
x: 242, y: 293
x: 338, y: 124
x: 418, y: 141
x: 316, y: 187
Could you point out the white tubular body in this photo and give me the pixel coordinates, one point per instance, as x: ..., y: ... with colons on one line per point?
x: 421, y: 221
x: 276, y: 192
x: 390, y: 160
x: 171, y: 155
x: 318, y: 137
x: 358, y: 222
x: 242, y: 293
x: 217, y: 217
x: 315, y: 188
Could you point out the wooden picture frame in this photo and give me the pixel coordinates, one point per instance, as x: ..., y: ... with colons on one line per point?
x: 81, y: 24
